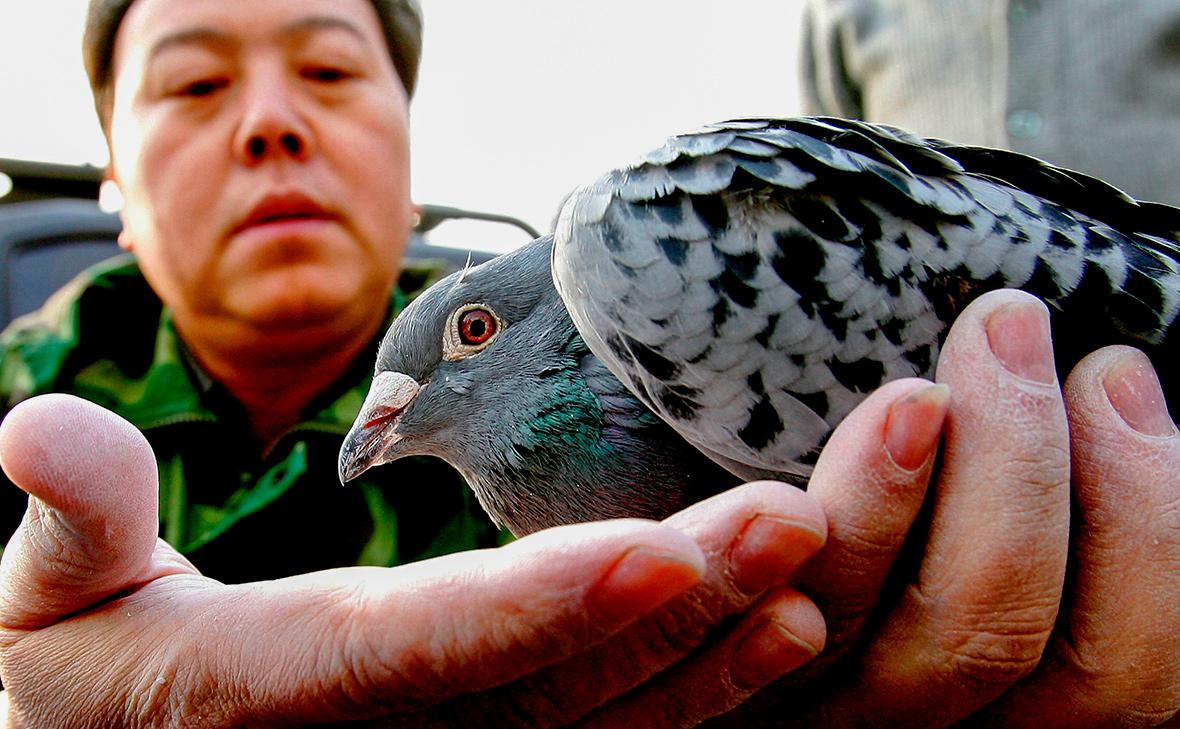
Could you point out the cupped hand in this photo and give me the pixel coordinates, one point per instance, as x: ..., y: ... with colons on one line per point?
x: 1029, y: 577
x: 102, y: 624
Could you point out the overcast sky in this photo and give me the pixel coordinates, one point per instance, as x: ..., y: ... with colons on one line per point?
x: 518, y: 102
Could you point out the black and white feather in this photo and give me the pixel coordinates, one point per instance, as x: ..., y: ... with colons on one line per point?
x: 752, y: 281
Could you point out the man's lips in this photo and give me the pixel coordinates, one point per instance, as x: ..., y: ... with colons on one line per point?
x: 284, y: 209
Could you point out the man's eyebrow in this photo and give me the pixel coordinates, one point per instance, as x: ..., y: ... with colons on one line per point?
x: 321, y: 22
x: 189, y: 36
x: 211, y: 37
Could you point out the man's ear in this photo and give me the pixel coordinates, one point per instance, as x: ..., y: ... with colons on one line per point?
x: 110, y: 199
x: 125, y: 241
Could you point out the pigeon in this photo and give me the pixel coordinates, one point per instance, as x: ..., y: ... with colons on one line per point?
x: 486, y: 371
x: 747, y: 284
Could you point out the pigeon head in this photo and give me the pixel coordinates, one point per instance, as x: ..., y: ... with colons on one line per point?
x: 486, y: 371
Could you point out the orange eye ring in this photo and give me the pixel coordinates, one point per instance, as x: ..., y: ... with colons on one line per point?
x: 470, y: 329
x: 477, y: 326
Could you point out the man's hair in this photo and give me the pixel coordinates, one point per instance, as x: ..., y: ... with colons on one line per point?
x: 401, y: 20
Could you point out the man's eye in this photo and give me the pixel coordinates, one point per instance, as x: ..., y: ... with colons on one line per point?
x: 204, y: 87
x: 325, y: 74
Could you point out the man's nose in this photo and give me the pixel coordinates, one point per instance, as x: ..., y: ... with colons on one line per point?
x: 271, y: 126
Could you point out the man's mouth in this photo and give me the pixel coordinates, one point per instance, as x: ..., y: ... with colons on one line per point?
x: 284, y: 208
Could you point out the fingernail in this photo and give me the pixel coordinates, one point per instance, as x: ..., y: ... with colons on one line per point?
x: 769, y: 550
x: 1134, y: 390
x: 1018, y: 334
x: 642, y: 580
x: 766, y: 653
x: 914, y: 425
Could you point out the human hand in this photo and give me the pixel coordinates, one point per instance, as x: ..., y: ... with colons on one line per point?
x: 994, y: 613
x: 102, y: 624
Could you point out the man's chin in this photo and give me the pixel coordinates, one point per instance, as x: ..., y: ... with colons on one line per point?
x: 308, y: 300
x: 292, y: 318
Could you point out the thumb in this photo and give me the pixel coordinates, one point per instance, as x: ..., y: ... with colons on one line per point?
x: 91, y: 525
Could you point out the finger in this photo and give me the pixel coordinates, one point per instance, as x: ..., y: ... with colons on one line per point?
x: 364, y: 642
x: 754, y: 537
x: 871, y: 479
x: 783, y: 631
x: 90, y: 529
x: 354, y: 643
x: 979, y: 611
x: 1114, y: 660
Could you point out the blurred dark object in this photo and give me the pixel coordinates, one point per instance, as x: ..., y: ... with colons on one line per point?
x: 42, y: 180
x: 45, y: 243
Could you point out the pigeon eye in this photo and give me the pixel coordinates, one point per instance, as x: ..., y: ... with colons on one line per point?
x: 470, y: 330
x: 476, y: 326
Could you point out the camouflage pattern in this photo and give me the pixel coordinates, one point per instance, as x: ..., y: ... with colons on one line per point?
x: 105, y: 337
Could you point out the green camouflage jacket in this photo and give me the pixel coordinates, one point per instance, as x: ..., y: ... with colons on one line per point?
x: 236, y: 514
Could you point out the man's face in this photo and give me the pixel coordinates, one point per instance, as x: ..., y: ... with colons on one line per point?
x: 261, y: 149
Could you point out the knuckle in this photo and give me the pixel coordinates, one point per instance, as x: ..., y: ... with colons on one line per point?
x: 996, y: 644
x: 63, y: 549
x: 674, y: 630
x: 180, y: 689
x: 360, y: 670
x: 997, y: 655
x: 1046, y: 466
x: 992, y: 669
x: 359, y: 675
x: 990, y: 639
x: 867, y: 546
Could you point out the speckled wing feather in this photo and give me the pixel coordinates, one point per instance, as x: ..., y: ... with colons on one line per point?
x: 752, y: 281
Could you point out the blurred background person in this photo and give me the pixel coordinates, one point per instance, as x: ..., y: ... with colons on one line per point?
x: 1091, y: 85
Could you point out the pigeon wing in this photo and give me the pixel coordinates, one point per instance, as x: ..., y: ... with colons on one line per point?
x: 752, y: 281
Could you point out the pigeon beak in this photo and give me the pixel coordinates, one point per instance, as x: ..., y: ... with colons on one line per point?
x: 374, y: 430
